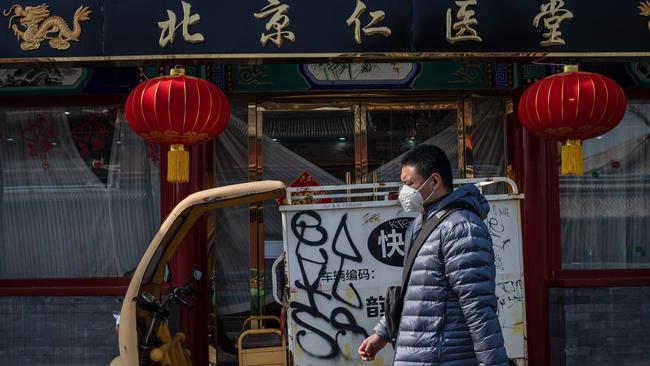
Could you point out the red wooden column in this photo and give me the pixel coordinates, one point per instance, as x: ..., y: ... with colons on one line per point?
x: 533, y: 158
x: 193, y: 252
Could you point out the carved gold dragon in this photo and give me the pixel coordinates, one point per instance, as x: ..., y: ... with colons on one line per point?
x: 39, y: 26
x: 644, y: 10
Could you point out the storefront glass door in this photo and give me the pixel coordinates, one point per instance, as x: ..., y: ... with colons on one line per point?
x: 298, y: 144
x: 331, y: 143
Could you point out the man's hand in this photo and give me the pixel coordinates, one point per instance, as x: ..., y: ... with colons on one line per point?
x: 370, y: 346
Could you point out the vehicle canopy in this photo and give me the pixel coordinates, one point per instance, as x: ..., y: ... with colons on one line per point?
x: 149, y: 274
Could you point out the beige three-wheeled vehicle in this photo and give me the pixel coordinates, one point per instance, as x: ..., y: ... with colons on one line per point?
x: 145, y: 288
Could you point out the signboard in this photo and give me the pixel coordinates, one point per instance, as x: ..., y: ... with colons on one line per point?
x: 342, y: 256
x: 440, y: 75
x: 304, y: 180
x: 171, y: 29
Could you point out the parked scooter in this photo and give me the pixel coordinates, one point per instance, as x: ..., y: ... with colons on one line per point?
x: 143, y: 318
x: 159, y: 313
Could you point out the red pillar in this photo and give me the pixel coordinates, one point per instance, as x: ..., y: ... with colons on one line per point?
x: 193, y: 252
x: 533, y: 160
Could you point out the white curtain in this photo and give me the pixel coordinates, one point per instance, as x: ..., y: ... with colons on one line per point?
x: 605, y: 214
x: 59, y: 217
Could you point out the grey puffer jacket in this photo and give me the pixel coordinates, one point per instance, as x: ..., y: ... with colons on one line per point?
x: 449, y: 316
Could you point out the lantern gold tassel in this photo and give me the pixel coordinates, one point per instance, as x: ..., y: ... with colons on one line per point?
x: 178, y: 164
x: 572, y: 158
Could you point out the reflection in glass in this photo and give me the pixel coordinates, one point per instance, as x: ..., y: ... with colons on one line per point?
x: 391, y: 133
x: 488, y: 137
x: 605, y: 215
x: 321, y: 143
x: 229, y: 238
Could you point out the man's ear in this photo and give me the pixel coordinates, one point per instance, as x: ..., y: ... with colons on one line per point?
x: 437, y: 181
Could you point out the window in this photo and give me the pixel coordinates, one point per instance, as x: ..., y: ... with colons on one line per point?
x: 393, y: 132
x: 605, y: 214
x: 488, y: 137
x: 79, y: 193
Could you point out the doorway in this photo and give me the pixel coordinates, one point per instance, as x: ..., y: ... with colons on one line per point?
x: 337, y: 143
x: 331, y: 142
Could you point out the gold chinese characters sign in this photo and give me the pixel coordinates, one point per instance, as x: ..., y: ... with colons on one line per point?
x: 310, y: 29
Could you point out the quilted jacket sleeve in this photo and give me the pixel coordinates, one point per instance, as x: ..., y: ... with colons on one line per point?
x: 469, y: 265
x: 382, y: 330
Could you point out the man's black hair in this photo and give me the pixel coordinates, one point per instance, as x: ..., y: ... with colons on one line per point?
x: 429, y: 159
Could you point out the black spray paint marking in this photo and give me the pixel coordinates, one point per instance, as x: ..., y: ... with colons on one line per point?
x: 511, y: 294
x: 495, y: 227
x: 300, y: 227
x: 356, y: 257
x: 500, y: 242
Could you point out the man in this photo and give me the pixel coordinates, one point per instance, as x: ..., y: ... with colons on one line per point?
x: 449, y: 316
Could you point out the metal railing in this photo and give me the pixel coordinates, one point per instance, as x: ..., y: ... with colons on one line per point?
x: 380, y: 191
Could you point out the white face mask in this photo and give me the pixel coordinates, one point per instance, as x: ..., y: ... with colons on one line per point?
x: 411, y: 198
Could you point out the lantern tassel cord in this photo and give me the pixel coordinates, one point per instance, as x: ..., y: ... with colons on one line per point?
x: 178, y: 164
x: 572, y: 163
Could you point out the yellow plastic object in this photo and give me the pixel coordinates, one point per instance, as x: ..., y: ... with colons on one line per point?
x: 172, y: 352
x: 260, y: 318
x: 262, y: 356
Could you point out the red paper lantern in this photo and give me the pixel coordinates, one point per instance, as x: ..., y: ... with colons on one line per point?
x: 570, y: 107
x: 177, y: 110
